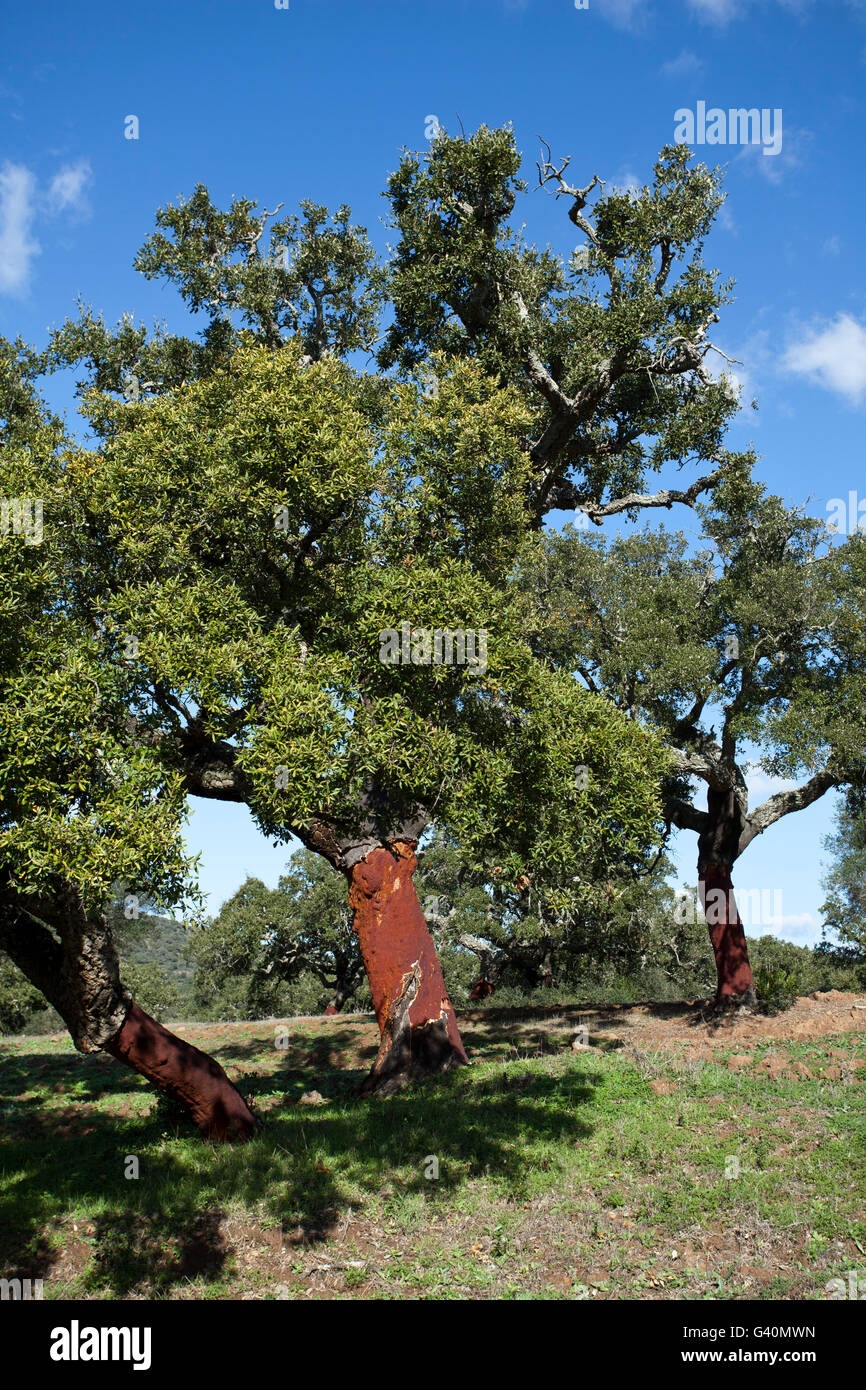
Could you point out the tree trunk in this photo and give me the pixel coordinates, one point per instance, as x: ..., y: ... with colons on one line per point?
x: 545, y: 971
x: 419, y: 1035
x: 489, y: 968
x: 733, y: 971
x: 718, y: 849
x: 79, y: 975
x: 482, y: 989
x: 190, y: 1076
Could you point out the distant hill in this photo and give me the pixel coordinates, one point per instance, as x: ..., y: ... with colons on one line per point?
x: 161, y: 941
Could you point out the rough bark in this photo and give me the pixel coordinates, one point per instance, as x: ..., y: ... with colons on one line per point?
x: 419, y: 1035
x: 545, y: 971
x: 74, y: 964
x: 69, y: 956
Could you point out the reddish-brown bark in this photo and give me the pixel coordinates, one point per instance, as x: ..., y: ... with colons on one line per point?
x: 419, y: 1034
x: 77, y: 971
x: 190, y: 1076
x: 481, y: 990
x: 734, y: 973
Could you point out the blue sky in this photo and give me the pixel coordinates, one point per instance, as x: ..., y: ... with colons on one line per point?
x: 318, y: 99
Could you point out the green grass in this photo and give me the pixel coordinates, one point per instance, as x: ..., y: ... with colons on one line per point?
x: 561, y: 1174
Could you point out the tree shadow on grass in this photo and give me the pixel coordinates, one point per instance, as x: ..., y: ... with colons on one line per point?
x: 131, y: 1250
x: 150, y: 1236
x: 89, y: 1076
x: 322, y: 1050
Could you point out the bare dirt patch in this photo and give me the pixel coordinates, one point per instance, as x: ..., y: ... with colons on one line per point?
x: 689, y: 1026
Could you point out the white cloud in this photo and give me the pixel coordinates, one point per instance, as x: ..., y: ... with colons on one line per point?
x: 17, y: 247
x: 726, y: 220
x: 633, y: 14
x: 719, y: 12
x: 832, y: 246
x: 66, y: 190
x: 722, y: 12
x: 760, y: 785
x: 626, y: 181
x: 722, y: 370
x: 685, y: 65
x: 797, y: 921
x: 749, y: 363
x: 21, y: 201
x: 625, y: 14
x: 792, y: 153
x: 799, y: 926
x: 833, y: 356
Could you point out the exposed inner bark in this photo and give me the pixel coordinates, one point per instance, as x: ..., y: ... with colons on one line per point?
x: 482, y: 989
x: 734, y: 973
x: 190, y: 1076
x: 718, y: 848
x: 77, y: 971
x: 419, y: 1035
x: 490, y: 966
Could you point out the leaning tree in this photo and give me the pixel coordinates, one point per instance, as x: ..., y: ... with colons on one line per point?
x: 81, y: 802
x: 259, y: 510
x: 750, y: 644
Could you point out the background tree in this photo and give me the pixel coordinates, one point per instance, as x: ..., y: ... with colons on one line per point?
x: 845, y: 884
x: 615, y: 921
x: 18, y: 999
x: 269, y: 938
x: 760, y: 635
x: 783, y: 971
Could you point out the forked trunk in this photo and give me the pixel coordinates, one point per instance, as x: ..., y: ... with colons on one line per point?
x: 78, y: 974
x: 733, y: 971
x: 419, y: 1035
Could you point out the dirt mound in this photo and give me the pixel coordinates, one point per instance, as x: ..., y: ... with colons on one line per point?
x: 692, y: 1024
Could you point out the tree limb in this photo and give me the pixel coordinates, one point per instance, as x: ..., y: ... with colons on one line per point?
x: 783, y: 803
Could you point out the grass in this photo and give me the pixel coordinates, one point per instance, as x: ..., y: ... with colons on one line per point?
x: 591, y: 1174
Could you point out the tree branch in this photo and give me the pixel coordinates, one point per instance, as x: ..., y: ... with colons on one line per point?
x: 685, y: 816
x: 783, y: 803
